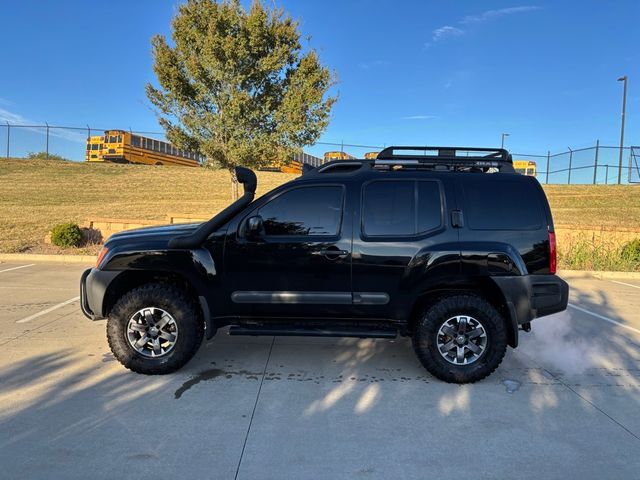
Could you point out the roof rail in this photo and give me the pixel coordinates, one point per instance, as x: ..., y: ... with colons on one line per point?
x: 450, y: 158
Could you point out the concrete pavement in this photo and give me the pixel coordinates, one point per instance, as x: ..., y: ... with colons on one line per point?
x: 564, y: 404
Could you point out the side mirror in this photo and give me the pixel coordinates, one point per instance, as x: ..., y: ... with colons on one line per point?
x: 255, y: 226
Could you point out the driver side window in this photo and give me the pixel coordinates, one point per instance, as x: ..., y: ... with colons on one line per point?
x: 304, y: 211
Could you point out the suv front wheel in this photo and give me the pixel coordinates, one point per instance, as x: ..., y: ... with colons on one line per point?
x: 154, y: 329
x: 460, y: 338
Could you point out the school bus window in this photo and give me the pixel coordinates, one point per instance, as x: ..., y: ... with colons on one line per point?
x: 88, y: 146
x: 94, y: 146
x: 100, y: 147
x: 119, y: 138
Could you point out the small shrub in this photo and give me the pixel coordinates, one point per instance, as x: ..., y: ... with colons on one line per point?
x: 631, y: 251
x: 43, y: 156
x: 66, y: 235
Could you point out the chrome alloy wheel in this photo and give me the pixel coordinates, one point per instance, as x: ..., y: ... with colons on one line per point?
x: 152, y: 332
x: 461, y: 340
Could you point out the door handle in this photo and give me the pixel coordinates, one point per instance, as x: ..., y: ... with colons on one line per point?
x: 331, y: 252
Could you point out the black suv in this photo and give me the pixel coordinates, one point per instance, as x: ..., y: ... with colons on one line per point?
x: 448, y: 246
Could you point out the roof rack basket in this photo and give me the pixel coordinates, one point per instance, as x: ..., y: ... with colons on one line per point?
x: 446, y: 158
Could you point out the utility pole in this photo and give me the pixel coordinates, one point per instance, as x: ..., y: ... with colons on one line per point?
x: 624, y: 108
x: 502, y: 141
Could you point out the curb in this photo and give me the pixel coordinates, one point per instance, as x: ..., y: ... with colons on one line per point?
x: 34, y: 257
x: 601, y: 274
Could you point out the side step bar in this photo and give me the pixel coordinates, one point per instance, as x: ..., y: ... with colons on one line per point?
x: 313, y: 332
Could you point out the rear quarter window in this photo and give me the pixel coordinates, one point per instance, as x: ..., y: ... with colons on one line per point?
x: 499, y: 203
x: 401, y: 208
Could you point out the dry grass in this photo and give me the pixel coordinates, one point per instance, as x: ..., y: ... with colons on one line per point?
x: 595, y: 205
x: 35, y: 195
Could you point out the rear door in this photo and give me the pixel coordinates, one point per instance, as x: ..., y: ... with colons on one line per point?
x: 300, y: 265
x: 402, y: 243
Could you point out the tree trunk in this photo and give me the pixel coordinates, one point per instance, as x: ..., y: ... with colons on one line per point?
x: 234, y: 185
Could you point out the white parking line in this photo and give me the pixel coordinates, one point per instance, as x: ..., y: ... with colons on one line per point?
x: 16, y: 268
x: 627, y: 284
x: 602, y: 317
x: 48, y: 310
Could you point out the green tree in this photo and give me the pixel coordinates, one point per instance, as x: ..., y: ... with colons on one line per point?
x: 237, y: 86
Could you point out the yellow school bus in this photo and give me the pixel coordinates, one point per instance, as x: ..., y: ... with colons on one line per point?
x: 120, y: 146
x: 526, y: 167
x: 371, y: 155
x: 94, y: 149
x: 328, y: 156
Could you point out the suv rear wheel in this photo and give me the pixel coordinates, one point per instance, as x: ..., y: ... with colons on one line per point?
x: 154, y: 329
x: 460, y: 338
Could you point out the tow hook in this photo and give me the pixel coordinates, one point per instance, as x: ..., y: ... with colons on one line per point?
x: 526, y: 327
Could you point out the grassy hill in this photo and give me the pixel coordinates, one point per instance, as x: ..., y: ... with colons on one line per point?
x: 37, y: 194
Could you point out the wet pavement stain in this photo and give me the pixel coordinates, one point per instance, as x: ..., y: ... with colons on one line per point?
x: 212, y: 374
x: 202, y: 376
x: 511, y: 385
x: 108, y: 357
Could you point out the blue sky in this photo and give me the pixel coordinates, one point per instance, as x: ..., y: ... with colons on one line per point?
x: 408, y: 72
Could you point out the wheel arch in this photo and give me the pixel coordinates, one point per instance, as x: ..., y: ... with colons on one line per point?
x: 483, y: 286
x: 128, y: 280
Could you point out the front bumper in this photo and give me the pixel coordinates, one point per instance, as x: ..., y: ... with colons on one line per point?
x: 533, y: 296
x: 93, y: 287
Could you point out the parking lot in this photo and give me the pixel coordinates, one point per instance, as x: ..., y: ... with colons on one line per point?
x: 566, y: 403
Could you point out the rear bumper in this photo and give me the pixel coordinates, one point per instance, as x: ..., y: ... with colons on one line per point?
x: 93, y: 287
x: 533, y: 296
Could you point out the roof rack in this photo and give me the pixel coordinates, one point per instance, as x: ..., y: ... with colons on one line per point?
x: 446, y: 158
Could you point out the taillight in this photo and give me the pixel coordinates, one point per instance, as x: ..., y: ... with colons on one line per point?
x: 101, y: 255
x: 553, y: 253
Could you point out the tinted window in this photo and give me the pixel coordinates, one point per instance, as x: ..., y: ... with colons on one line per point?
x: 429, y: 206
x: 495, y: 204
x: 389, y: 208
x: 304, y: 211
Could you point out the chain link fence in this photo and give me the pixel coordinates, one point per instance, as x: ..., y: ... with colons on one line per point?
x: 599, y: 164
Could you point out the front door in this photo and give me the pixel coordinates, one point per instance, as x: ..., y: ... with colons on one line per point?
x: 298, y: 264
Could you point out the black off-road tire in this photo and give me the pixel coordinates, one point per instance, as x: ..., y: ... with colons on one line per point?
x: 425, y: 338
x: 175, y: 302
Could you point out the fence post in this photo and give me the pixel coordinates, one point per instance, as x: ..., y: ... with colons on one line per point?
x: 47, y: 139
x: 595, y: 166
x: 8, y: 134
x: 606, y: 175
x: 546, y: 180
x: 570, y: 162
